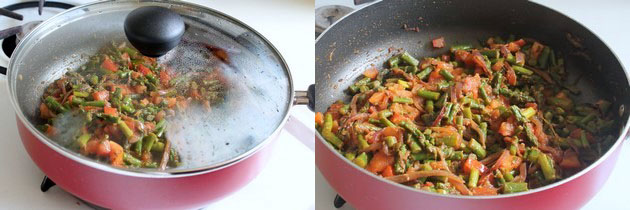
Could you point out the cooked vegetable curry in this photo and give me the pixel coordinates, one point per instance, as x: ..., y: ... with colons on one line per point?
x: 492, y: 120
x: 120, y: 101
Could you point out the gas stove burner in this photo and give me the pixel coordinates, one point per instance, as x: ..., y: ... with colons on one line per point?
x: 47, y: 183
x: 8, y: 48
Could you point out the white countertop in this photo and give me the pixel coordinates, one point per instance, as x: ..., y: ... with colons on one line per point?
x: 608, y: 20
x: 288, y: 180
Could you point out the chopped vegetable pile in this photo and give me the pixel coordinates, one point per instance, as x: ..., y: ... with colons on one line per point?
x: 476, y: 121
x: 115, y: 108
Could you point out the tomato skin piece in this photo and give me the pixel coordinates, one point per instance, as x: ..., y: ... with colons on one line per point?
x: 110, y: 111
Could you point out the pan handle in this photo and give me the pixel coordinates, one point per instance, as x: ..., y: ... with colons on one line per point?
x: 301, y: 131
x: 306, y: 97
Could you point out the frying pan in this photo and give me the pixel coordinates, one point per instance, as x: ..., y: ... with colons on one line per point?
x: 362, y: 39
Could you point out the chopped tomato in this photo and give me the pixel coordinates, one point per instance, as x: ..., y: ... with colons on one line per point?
x: 511, y: 162
x: 109, y: 64
x: 44, y: 112
x: 377, y: 97
x: 164, y: 78
x: 513, y: 47
x: 104, y: 148
x: 110, y: 111
x: 379, y: 162
x: 91, y: 147
x: 51, y: 131
x: 570, y: 159
x: 507, y: 128
x: 371, y: 72
x: 438, y: 43
x: 497, y: 66
x: 388, y: 171
x: 143, y: 69
x: 171, y: 102
x: 392, y: 131
x: 116, y: 154
x: 435, y: 76
x: 519, y: 42
x: 130, y: 123
x: 102, y: 95
x: 470, y: 163
x: 471, y: 85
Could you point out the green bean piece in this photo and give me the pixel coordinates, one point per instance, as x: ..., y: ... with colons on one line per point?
x: 80, y: 94
x: 414, y: 147
x: 429, y: 94
x: 544, y: 57
x: 82, y: 140
x: 467, y: 113
x: 533, y: 154
x: 507, y: 175
x: 483, y: 126
x: 137, y: 147
x: 514, y: 187
x: 94, y: 103
x: 129, y: 159
x: 473, y: 178
x: 54, y: 105
x: 125, y: 129
x: 407, y: 58
x: 157, y: 147
x: 492, y: 54
x: 587, y: 119
x: 530, y: 135
x: 390, y: 140
x: 128, y: 108
x: 477, y: 148
x: 517, y: 113
x: 441, y: 100
x: 402, y: 100
x: 450, y: 141
x: 546, y: 165
x: 384, y: 115
x: 424, y: 73
x: 452, y: 113
x: 77, y: 101
x: 393, y: 61
x: 447, y: 75
x: 484, y: 95
x: 350, y: 155
x: 361, y: 160
x: 428, y: 106
x: 363, y: 144
x: 149, y: 140
x: 328, y: 134
x: 522, y: 70
x: 529, y: 112
x: 461, y: 47
x: 583, y: 139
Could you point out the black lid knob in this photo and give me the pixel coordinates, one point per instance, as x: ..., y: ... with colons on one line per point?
x: 154, y: 30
